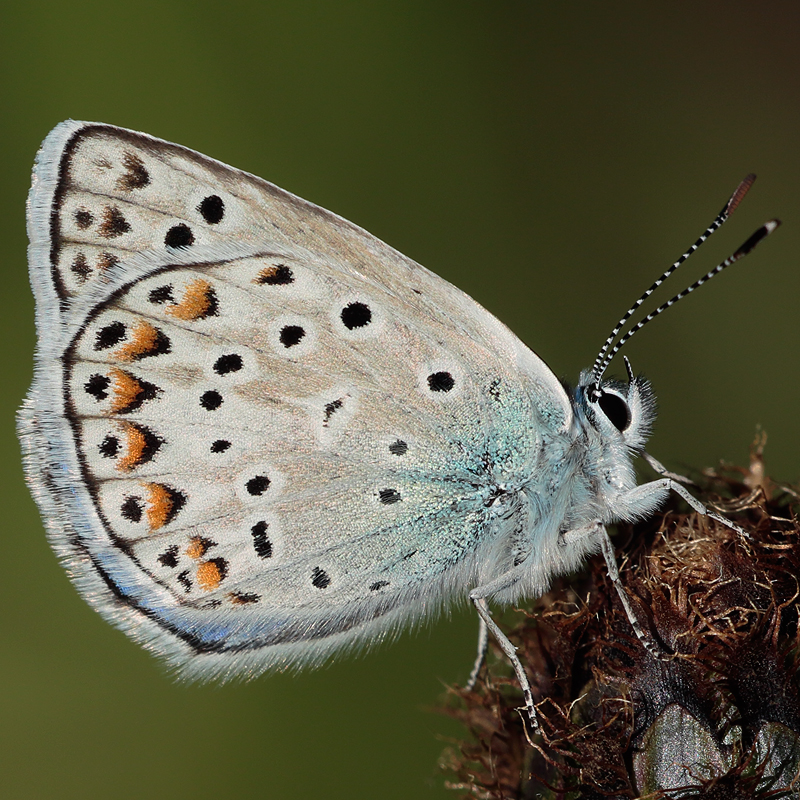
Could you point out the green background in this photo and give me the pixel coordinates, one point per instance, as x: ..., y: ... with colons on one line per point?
x: 549, y: 159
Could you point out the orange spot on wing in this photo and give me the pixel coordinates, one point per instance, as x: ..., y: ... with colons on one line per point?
x: 136, y: 443
x: 162, y: 504
x: 198, y: 302
x: 144, y: 340
x: 198, y: 547
x: 141, y: 446
x: 210, y: 574
x: 126, y: 390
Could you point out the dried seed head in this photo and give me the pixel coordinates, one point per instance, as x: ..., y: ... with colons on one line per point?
x: 721, y: 715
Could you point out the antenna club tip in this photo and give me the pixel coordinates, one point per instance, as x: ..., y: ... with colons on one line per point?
x: 765, y: 230
x: 741, y: 190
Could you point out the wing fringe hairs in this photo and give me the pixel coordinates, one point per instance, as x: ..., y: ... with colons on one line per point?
x: 722, y: 716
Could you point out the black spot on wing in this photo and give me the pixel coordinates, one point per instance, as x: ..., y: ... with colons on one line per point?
x: 161, y: 295
x: 261, y: 541
x: 291, y: 335
x: 185, y: 581
x: 83, y: 218
x: 179, y: 236
x: 109, y: 447
x: 330, y: 409
x: 110, y: 335
x: 356, y: 315
x: 169, y: 558
x: 257, y: 485
x: 398, y: 448
x: 212, y: 209
x: 320, y: 578
x: 243, y: 598
x: 132, y: 509
x: 441, y: 382
x: 275, y: 275
x: 97, y: 387
x: 211, y: 400
x: 80, y: 267
x: 389, y: 496
x: 231, y: 362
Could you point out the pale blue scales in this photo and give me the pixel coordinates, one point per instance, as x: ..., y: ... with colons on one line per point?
x: 258, y: 435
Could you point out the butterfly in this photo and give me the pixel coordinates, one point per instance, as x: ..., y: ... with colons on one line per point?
x: 259, y: 436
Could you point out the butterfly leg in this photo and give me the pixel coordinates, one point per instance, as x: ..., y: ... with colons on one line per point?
x: 596, y: 530
x: 642, y: 635
x: 483, y: 644
x: 662, y: 470
x: 509, y: 651
x: 641, y: 495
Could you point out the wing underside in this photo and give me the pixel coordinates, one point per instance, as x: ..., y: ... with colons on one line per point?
x: 256, y: 433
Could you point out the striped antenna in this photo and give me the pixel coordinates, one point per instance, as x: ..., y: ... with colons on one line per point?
x: 765, y: 230
x: 601, y: 362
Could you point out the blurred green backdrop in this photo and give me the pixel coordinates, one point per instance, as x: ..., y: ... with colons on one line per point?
x: 549, y: 159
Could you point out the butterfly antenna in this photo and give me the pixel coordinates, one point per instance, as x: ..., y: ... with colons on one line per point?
x: 765, y: 230
x: 601, y: 362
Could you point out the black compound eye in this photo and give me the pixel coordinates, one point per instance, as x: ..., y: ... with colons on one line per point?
x: 616, y: 409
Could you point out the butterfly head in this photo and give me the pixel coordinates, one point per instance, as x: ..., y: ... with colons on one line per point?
x: 619, y: 410
x: 630, y: 409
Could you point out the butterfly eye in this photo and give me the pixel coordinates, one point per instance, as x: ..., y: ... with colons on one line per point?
x: 616, y: 409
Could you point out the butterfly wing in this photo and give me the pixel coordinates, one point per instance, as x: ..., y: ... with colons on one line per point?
x: 257, y: 433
